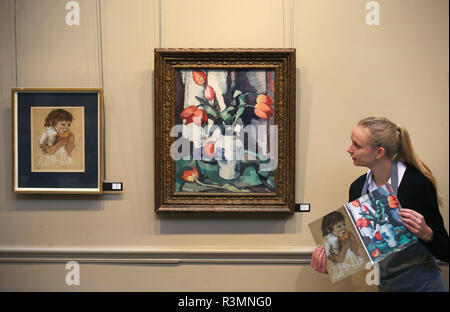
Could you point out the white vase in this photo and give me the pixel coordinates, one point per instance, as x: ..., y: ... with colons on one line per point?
x: 389, y: 234
x: 228, y: 151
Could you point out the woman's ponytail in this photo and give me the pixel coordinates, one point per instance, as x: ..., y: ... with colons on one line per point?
x: 407, y: 155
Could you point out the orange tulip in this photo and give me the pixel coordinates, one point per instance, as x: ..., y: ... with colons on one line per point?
x: 199, y: 77
x: 363, y: 222
x: 262, y: 98
x: 393, y: 202
x: 193, y: 114
x: 190, y: 175
x: 188, y: 111
x: 263, y: 111
x: 263, y: 107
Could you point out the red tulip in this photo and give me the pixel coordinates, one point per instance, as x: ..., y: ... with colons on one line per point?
x: 190, y: 175
x: 359, y: 223
x: 193, y: 114
x: 209, y: 93
x: 355, y: 203
x: 365, y: 222
x: 199, y: 77
x: 364, y: 208
x: 263, y: 111
x: 378, y: 236
x: 393, y: 202
x: 375, y: 253
x: 264, y: 99
x: 188, y: 111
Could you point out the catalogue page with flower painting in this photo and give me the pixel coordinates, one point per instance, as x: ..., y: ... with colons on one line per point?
x: 365, y: 230
x: 375, y: 216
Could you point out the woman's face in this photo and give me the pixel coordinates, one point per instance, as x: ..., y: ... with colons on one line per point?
x: 62, y: 126
x: 339, y: 229
x: 361, y: 149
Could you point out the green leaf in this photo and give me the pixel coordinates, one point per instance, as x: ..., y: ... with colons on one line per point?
x: 236, y: 93
x: 225, y: 114
x: 202, y: 101
x: 234, y: 189
x: 241, y: 99
x: 211, y: 111
x: 370, y: 218
x: 239, y: 113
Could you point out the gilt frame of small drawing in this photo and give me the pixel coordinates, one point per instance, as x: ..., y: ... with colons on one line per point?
x: 57, y: 139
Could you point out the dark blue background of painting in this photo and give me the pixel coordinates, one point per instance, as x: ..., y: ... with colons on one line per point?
x: 87, y: 179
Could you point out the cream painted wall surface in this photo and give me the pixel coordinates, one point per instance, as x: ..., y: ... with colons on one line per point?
x: 346, y: 70
x: 52, y: 53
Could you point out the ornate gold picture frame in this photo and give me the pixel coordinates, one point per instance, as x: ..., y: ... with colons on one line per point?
x: 225, y: 130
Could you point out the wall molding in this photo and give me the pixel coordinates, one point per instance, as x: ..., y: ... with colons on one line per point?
x: 151, y: 255
x: 145, y: 255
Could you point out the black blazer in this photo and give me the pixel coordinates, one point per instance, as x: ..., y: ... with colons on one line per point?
x: 416, y: 192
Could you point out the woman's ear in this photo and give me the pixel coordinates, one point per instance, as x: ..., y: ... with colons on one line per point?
x: 380, y: 152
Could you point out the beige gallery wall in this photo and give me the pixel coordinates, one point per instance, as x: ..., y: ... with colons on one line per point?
x: 346, y: 70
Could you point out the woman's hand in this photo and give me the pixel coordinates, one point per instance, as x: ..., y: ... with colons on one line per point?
x: 319, y: 260
x: 415, y: 222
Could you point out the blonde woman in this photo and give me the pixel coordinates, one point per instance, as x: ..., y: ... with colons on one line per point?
x: 385, y: 148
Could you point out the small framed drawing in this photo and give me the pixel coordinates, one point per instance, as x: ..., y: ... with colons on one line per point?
x: 57, y: 140
x: 225, y: 130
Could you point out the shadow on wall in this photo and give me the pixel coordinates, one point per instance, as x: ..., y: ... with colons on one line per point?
x: 59, y: 202
x: 303, y: 126
x: 208, y: 223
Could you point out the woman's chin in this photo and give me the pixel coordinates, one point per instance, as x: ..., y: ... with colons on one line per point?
x: 357, y: 163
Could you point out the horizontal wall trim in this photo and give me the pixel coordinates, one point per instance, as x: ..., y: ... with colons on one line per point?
x: 145, y: 255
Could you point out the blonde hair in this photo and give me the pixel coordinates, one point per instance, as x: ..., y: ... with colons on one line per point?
x: 397, y: 144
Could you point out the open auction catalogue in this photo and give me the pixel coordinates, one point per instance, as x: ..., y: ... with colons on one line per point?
x: 366, y: 229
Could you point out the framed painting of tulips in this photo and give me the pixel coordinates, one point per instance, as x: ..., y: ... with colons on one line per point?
x: 225, y: 130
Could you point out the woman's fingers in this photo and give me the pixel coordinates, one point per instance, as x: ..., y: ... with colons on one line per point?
x: 318, y: 259
x: 415, y: 222
x: 411, y: 218
x: 322, y: 261
x: 314, y: 257
x: 315, y: 260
